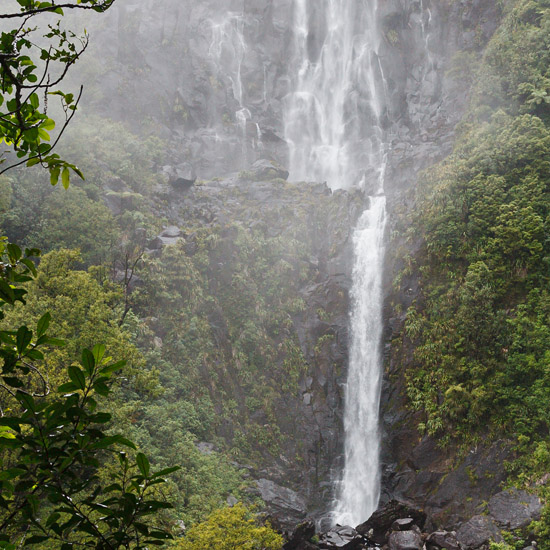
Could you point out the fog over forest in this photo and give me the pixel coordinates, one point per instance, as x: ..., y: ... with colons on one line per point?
x: 274, y: 274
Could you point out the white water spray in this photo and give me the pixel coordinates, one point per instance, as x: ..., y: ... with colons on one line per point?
x: 333, y: 126
x: 228, y: 48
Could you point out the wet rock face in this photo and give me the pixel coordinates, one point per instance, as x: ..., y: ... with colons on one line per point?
x: 301, y: 536
x: 219, y: 102
x: 442, y: 540
x: 405, y: 540
x: 514, y: 509
x: 478, y: 531
x: 384, y: 519
x: 297, y: 479
x: 283, y: 503
x: 340, y: 538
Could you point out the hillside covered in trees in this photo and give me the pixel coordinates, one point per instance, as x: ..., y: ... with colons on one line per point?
x: 177, y: 310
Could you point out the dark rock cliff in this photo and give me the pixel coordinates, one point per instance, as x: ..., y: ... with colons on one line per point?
x: 219, y: 102
x: 303, y: 407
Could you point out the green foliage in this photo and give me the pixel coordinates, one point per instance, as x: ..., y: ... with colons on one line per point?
x: 28, y: 78
x: 228, y: 333
x: 515, y: 74
x: 72, y: 220
x: 82, y: 311
x: 483, y: 326
x: 51, y: 447
x: 230, y: 528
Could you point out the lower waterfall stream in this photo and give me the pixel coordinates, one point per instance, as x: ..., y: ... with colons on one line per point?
x: 333, y: 126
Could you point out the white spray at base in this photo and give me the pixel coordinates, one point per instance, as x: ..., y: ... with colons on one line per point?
x: 333, y: 127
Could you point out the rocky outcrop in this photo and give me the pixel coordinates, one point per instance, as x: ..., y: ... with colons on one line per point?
x: 442, y: 540
x: 514, y: 509
x: 388, y: 518
x: 219, y: 105
x: 301, y: 536
x: 478, y: 531
x: 389, y: 528
x: 341, y: 538
x: 282, y: 503
x: 296, y: 479
x: 405, y: 540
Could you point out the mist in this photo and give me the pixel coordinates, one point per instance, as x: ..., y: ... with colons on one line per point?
x: 305, y: 227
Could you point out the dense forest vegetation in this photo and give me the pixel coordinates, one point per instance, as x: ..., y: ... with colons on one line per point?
x: 481, y: 327
x: 68, y: 477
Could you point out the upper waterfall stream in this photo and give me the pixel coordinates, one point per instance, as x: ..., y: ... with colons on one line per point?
x: 333, y: 126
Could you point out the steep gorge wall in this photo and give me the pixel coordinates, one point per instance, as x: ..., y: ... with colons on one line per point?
x: 211, y: 77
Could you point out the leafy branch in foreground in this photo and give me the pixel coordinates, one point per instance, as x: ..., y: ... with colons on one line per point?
x: 29, y: 77
x: 35, y: 7
x: 51, y: 447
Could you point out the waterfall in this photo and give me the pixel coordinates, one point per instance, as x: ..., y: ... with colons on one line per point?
x: 228, y: 48
x: 359, y: 489
x: 333, y: 124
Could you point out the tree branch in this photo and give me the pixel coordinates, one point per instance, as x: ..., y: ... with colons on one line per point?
x: 54, y: 7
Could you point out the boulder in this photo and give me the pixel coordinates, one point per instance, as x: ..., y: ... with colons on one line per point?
x: 283, y: 503
x: 167, y: 237
x: 378, y: 525
x: 181, y: 176
x: 477, y: 531
x: 442, y: 540
x: 264, y: 169
x: 301, y: 536
x: 341, y: 537
x: 514, y: 509
x: 405, y: 524
x: 405, y: 540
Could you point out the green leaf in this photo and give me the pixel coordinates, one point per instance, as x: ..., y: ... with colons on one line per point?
x: 54, y: 175
x: 88, y: 361
x: 13, y: 381
x: 23, y: 339
x: 26, y: 400
x: 29, y: 264
x: 48, y: 124
x: 101, y: 417
x: 52, y: 518
x: 166, y: 471
x: 13, y: 423
x: 160, y: 535
x: 113, y: 368
x: 78, y: 172
x: 34, y: 101
x: 55, y: 342
x: 108, y: 441
x: 143, y: 464
x: 6, y: 293
x: 43, y: 135
x: 67, y: 387
x: 77, y: 377
x: 14, y: 253
x: 98, y: 352
x: 66, y: 178
x: 43, y: 324
x: 101, y: 388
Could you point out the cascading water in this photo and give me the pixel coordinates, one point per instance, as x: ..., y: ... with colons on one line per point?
x: 333, y: 124
x: 228, y: 49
